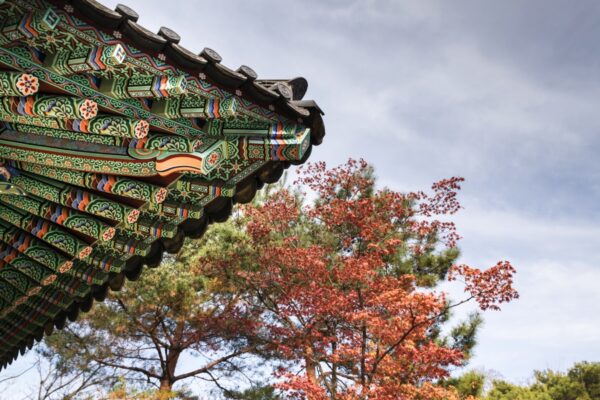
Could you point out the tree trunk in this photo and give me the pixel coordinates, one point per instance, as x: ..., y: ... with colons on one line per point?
x: 311, y: 368
x: 311, y: 373
x: 172, y: 358
x: 165, y: 384
x: 167, y: 380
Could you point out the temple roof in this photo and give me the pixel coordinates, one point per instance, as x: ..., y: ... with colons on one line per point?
x: 116, y: 144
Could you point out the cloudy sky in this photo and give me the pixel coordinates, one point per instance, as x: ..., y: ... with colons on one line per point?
x: 503, y: 93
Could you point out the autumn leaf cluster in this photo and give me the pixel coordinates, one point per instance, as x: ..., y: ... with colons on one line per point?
x: 345, y: 286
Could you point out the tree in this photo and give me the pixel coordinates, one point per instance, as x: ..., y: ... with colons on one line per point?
x: 587, y: 374
x: 142, y: 332
x: 262, y: 392
x: 346, y: 286
x: 581, y: 382
x: 502, y: 390
x: 468, y: 384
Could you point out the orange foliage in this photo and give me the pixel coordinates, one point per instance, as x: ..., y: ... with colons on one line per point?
x: 332, y: 301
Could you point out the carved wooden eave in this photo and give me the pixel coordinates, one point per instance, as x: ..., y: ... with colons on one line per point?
x: 116, y: 143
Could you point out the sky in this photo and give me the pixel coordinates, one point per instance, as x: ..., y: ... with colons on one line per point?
x: 502, y: 93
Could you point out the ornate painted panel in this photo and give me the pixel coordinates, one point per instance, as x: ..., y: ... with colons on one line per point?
x: 115, y: 145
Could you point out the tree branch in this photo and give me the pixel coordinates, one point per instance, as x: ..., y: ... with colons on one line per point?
x: 213, y: 363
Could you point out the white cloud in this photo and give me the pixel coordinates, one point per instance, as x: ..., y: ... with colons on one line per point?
x: 555, y: 321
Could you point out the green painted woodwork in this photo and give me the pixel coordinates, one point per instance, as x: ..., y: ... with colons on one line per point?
x: 75, y: 198
x: 91, y: 268
x: 92, y: 162
x: 153, y: 226
x: 34, y: 248
x: 135, y: 63
x: 121, y: 87
x: 100, y: 125
x: 113, y: 184
x: 82, y: 59
x: 10, y: 189
x: 64, y: 216
x: 47, y: 303
x: 105, y: 151
x: 11, y: 257
x: 39, y: 251
x: 45, y: 230
x: 64, y: 134
x: 18, y: 84
x: 154, y: 140
x: 195, y: 107
x: 128, y: 242
x: 48, y: 106
x: 177, y: 207
x: 30, y: 25
x: 24, y: 59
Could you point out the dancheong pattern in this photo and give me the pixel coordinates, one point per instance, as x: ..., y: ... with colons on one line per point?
x: 116, y: 145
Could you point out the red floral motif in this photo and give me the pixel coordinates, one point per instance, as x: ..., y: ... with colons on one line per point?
x: 65, y: 267
x: 213, y: 158
x: 28, y: 84
x: 49, y: 280
x: 160, y: 195
x: 20, y: 301
x: 85, y: 252
x: 141, y: 129
x: 89, y: 109
x: 108, y: 234
x: 133, y: 216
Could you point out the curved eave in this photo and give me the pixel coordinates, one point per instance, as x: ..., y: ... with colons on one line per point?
x: 281, y: 97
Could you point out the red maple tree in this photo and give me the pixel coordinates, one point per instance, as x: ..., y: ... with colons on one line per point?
x: 346, y: 286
